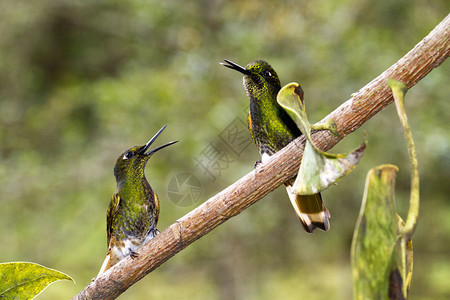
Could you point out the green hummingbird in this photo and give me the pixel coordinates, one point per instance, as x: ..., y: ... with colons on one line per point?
x: 272, y: 129
x: 134, y: 207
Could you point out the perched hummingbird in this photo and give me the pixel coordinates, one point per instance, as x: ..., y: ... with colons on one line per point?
x: 134, y: 207
x: 272, y: 129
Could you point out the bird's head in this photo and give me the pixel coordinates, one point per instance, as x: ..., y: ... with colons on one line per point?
x: 132, y: 162
x: 259, y: 77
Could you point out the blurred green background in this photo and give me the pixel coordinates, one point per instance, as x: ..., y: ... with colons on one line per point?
x: 80, y: 82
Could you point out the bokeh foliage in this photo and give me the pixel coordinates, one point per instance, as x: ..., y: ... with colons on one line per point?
x: 82, y: 81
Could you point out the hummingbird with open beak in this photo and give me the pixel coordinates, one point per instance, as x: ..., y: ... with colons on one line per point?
x: 272, y: 129
x: 134, y: 207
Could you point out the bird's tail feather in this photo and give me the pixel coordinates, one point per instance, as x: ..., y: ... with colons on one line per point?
x: 310, y: 210
x: 107, y: 263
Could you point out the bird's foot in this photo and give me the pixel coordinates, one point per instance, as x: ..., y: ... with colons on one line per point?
x: 134, y: 254
x: 257, y: 163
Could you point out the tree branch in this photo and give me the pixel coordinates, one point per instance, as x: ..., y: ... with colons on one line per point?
x: 432, y: 51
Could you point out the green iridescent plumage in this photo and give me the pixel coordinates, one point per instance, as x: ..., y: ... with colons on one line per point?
x: 134, y: 208
x: 272, y: 129
x: 270, y: 126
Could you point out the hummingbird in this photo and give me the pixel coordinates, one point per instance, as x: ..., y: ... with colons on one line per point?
x: 134, y: 207
x: 271, y: 129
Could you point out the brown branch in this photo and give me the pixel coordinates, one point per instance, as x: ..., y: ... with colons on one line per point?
x: 426, y: 55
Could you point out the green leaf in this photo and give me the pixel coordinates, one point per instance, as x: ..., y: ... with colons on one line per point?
x: 318, y: 170
x: 382, y: 254
x: 25, y: 280
x: 290, y: 97
x: 400, y: 272
x: 376, y: 240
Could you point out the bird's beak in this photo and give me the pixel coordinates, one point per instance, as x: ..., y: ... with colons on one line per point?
x: 234, y: 66
x: 145, y: 148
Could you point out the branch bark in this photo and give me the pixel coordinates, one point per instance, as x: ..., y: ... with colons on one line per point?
x: 431, y: 52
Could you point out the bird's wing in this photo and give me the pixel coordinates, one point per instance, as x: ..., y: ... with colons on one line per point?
x: 249, y: 121
x: 156, y: 208
x: 112, y: 211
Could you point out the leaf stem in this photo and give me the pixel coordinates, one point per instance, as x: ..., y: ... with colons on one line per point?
x: 399, y: 90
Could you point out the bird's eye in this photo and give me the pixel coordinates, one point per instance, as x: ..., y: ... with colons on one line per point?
x: 128, y: 155
x: 266, y: 74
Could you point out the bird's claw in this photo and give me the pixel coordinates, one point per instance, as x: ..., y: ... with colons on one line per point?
x: 257, y: 163
x: 134, y: 254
